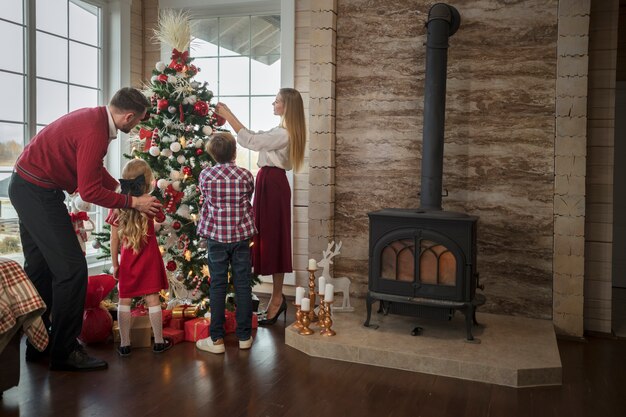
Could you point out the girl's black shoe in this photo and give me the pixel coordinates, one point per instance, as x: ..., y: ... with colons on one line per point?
x: 283, y: 309
x: 162, y: 347
x: 123, y: 350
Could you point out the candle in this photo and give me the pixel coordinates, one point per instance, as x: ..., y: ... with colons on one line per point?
x: 299, y: 295
x: 312, y: 264
x: 329, y: 293
x: 305, y: 304
x: 322, y: 286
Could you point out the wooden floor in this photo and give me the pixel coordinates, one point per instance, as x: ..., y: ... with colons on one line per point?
x: 273, y: 379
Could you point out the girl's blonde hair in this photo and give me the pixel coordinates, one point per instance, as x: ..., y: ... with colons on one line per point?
x: 132, y: 224
x: 293, y: 121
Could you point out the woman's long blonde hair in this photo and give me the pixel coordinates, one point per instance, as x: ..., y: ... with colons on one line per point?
x: 293, y: 121
x: 132, y: 224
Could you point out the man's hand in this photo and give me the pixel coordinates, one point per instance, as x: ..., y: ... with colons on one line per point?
x: 146, y: 204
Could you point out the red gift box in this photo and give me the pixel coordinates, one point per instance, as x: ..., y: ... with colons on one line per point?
x: 166, y: 317
x: 141, y: 310
x: 230, y: 322
x: 177, y: 324
x: 197, y: 329
x: 176, y: 336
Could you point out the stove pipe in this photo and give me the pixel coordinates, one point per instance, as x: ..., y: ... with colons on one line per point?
x: 443, y: 22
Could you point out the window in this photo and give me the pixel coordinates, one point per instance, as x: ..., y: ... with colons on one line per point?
x: 240, y: 59
x: 50, y: 70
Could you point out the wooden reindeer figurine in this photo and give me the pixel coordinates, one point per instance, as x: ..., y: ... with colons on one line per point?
x: 341, y: 284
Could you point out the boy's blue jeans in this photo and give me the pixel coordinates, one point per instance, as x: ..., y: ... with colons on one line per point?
x: 220, y: 257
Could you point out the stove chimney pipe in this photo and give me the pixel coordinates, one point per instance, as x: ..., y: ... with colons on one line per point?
x: 443, y: 22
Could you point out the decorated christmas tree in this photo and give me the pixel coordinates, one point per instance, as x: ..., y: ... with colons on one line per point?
x: 172, y: 140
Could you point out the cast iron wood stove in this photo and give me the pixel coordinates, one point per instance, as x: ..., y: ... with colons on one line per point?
x: 422, y: 262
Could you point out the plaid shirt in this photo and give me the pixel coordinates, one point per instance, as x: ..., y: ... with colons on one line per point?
x: 226, y: 214
x: 20, y: 303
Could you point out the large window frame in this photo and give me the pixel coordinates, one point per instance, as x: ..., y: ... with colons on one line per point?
x: 113, y: 72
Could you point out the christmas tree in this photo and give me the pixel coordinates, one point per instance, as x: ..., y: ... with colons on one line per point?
x: 172, y: 140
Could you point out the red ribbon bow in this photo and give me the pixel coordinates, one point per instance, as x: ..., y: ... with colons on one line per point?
x: 145, y: 133
x: 180, y: 56
x: 81, y: 215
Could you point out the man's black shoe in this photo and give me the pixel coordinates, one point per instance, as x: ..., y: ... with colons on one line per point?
x: 79, y: 361
x: 33, y: 355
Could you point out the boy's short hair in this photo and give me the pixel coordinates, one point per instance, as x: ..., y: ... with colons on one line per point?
x: 222, y: 147
x: 130, y: 99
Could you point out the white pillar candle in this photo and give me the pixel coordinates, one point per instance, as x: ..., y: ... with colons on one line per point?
x: 322, y: 285
x: 329, y: 293
x: 299, y: 295
x: 312, y: 264
x: 305, y: 304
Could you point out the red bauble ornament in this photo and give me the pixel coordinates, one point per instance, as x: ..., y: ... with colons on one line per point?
x: 178, y: 67
x: 171, y: 266
x: 176, y: 225
x: 199, y: 151
x: 162, y: 78
x: 187, y: 170
x: 162, y: 104
x: 219, y: 120
x: 201, y: 108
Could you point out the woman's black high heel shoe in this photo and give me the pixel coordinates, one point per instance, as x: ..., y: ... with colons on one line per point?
x: 282, y: 310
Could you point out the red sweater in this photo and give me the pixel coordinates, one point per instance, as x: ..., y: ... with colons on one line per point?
x: 69, y: 153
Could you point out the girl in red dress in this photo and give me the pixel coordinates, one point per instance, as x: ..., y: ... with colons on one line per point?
x: 140, y: 270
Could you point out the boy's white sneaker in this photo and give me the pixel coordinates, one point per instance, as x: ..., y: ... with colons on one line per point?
x: 208, y: 345
x: 245, y: 344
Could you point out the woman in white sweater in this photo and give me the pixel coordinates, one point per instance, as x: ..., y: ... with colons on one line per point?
x: 280, y: 149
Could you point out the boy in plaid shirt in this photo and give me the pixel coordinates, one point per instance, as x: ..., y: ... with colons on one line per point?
x: 226, y: 221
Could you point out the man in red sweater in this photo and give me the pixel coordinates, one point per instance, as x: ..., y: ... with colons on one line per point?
x: 67, y: 155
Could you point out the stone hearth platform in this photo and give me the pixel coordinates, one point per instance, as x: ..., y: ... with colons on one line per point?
x: 513, y: 351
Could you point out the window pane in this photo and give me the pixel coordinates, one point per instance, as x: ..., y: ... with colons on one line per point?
x: 12, y: 58
x: 265, y: 35
x: 82, y: 97
x: 51, y: 57
x: 51, y: 101
x: 12, y: 86
x: 205, y: 32
x: 84, y: 23
x: 52, y: 16
x: 208, y: 73
x: 12, y: 10
x: 11, y: 144
x: 262, y: 113
x: 234, y: 76
x: 265, y: 76
x: 234, y: 36
x: 83, y: 65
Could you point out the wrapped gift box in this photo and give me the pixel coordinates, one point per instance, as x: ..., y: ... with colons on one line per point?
x: 197, y: 329
x: 176, y: 336
x: 185, y: 311
x: 167, y: 317
x: 140, y: 332
x: 177, y: 324
x: 230, y: 322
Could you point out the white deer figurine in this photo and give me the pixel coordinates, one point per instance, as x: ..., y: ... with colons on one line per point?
x: 341, y: 284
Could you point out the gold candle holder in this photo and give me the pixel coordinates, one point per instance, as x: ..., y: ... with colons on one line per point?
x: 321, y: 312
x: 305, y: 325
x: 328, y: 321
x: 312, y: 316
x: 298, y: 323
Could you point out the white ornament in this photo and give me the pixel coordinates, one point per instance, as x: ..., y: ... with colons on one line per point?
x: 160, y: 66
x: 171, y: 79
x: 175, y: 175
x: 171, y: 109
x: 176, y: 185
x: 153, y: 79
x: 192, y: 162
x: 175, y: 147
x: 181, y: 158
x: 162, y: 184
x: 199, y: 143
x: 207, y: 130
x: 154, y: 151
x: 192, y: 99
x: 194, y: 84
x: 183, y: 211
x: 186, y: 100
x: 166, y: 153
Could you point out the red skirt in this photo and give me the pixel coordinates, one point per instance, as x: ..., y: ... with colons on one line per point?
x: 271, y: 252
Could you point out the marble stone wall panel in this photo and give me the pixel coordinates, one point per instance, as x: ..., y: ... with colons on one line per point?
x: 500, y: 124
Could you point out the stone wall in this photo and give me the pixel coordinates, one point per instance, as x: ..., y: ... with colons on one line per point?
x: 500, y: 127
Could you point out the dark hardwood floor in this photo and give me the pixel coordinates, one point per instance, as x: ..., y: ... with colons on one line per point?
x: 273, y: 379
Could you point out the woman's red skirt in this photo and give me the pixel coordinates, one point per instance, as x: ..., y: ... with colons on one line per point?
x: 271, y: 251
